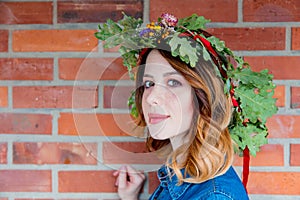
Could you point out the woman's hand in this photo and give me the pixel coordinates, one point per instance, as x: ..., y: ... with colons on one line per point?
x: 129, y: 182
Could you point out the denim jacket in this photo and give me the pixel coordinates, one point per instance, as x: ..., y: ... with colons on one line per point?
x: 224, y: 187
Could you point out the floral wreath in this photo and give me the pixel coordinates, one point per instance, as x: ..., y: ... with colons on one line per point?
x: 251, y: 92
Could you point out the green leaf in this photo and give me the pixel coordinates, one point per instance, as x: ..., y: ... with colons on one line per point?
x: 217, y: 43
x: 250, y: 136
x: 255, y: 106
x: 193, y: 22
x: 130, y: 23
x: 132, y: 106
x: 183, y: 48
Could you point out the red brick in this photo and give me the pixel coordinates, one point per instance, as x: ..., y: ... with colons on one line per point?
x: 86, y: 181
x: 97, y: 11
x: 252, y: 38
x: 26, y: 68
x: 54, y: 40
x: 280, y: 66
x: 153, y: 181
x: 128, y: 153
x: 217, y: 10
x: 25, y: 181
x: 55, y: 97
x: 262, y: 158
x: 19, y: 123
x: 116, y: 96
x: 294, y: 155
x: 95, y: 124
x: 32, y: 199
x: 271, y: 11
x: 274, y: 183
x: 295, y: 97
x: 92, y: 69
x: 26, y: 12
x: 296, y: 38
x: 54, y: 153
x: 3, y: 153
x: 284, y: 126
x: 279, y: 94
x: 3, y: 96
x: 3, y: 40
x: 3, y: 198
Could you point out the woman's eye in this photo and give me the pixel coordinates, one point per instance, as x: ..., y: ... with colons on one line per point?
x: 148, y: 84
x: 174, y: 83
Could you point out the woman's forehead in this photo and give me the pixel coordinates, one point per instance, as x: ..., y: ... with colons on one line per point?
x: 155, y: 62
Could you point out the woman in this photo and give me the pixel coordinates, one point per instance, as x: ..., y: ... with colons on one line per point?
x: 188, y: 97
x: 188, y: 108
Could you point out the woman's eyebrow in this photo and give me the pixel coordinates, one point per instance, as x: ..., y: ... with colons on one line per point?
x: 148, y: 75
x: 164, y: 74
x: 171, y: 73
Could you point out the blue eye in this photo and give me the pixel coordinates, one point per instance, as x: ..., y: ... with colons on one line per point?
x: 174, y: 83
x: 148, y: 84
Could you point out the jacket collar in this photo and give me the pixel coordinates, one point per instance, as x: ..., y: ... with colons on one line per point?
x: 168, y: 179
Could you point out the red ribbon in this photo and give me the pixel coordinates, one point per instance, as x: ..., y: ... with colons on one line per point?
x: 246, y: 162
x: 207, y: 44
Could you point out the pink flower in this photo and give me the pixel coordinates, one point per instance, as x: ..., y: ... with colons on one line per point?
x: 169, y: 20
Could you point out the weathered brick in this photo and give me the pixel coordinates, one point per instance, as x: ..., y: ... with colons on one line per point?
x: 92, y: 69
x: 3, y: 96
x: 295, y: 97
x: 3, y: 40
x: 54, y: 153
x: 284, y: 126
x: 97, y: 11
x: 128, y: 153
x: 153, y: 181
x: 55, y: 97
x: 274, y: 151
x: 19, y: 123
x: 95, y: 124
x: 32, y: 199
x: 295, y: 38
x: 86, y: 181
x: 54, y: 40
x: 25, y: 181
x: 286, y: 183
x: 26, y: 12
x: 252, y: 38
x: 279, y: 94
x: 280, y: 66
x: 3, y: 153
x: 217, y: 10
x: 116, y: 96
x: 294, y: 155
x: 26, y: 68
x: 271, y: 11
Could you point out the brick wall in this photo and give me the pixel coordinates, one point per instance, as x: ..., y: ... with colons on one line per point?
x: 63, y: 118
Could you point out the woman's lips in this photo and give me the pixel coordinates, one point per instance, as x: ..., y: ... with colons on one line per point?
x: 157, y: 118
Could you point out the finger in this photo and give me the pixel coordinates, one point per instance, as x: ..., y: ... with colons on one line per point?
x: 131, y: 170
x: 116, y: 173
x: 117, y: 181
x: 135, y: 175
x: 122, y: 178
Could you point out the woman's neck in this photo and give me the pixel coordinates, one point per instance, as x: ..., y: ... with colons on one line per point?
x: 179, y: 140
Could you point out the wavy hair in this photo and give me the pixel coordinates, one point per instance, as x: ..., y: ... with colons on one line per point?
x: 209, y: 152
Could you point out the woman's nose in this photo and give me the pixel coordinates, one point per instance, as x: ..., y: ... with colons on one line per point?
x: 155, y: 96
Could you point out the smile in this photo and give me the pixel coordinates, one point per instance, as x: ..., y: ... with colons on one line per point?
x: 157, y: 118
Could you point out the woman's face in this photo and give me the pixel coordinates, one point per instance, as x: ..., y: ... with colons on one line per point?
x: 167, y: 99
